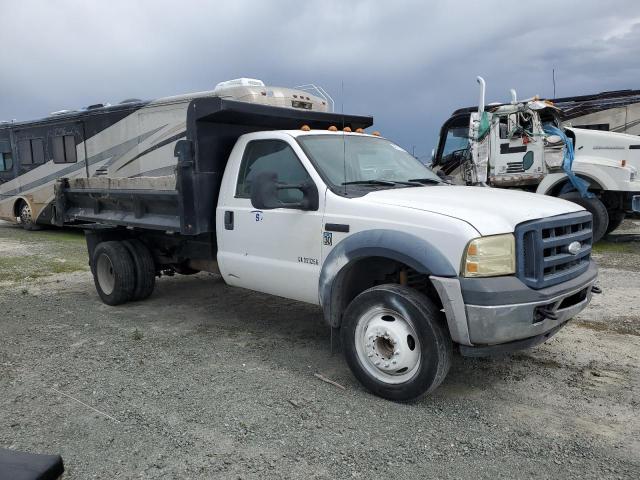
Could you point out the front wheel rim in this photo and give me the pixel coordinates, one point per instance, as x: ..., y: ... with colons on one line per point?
x: 25, y: 215
x: 104, y: 272
x: 387, y: 345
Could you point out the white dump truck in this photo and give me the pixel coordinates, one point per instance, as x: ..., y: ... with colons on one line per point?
x: 523, y: 145
x: 304, y: 205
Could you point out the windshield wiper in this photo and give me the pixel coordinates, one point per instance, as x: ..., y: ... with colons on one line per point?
x: 425, y: 180
x: 384, y: 183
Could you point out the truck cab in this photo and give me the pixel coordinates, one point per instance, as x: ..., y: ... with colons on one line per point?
x: 405, y: 267
x: 523, y: 145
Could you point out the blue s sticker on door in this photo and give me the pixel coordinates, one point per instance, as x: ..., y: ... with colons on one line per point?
x: 327, y: 239
x: 258, y: 215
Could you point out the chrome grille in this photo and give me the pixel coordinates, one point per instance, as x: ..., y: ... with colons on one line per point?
x: 543, y: 258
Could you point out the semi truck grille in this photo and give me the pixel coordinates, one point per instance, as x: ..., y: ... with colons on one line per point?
x: 553, y: 250
x: 515, y: 167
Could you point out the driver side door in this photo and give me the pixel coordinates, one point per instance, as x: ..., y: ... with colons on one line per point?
x: 272, y: 251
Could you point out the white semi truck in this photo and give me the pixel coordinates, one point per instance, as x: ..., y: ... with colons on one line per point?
x: 522, y: 145
x: 403, y: 265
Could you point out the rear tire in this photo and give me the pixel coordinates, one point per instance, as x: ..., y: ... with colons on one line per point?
x: 26, y: 218
x: 113, y: 272
x: 145, y: 269
x: 395, y: 342
x: 596, y: 208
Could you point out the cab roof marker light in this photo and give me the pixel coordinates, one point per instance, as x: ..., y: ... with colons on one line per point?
x: 346, y: 129
x: 305, y: 128
x: 333, y: 128
x: 359, y: 130
x: 376, y: 134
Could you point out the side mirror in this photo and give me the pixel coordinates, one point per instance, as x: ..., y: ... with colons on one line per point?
x: 264, y: 193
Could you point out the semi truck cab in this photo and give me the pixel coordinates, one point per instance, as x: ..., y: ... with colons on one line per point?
x: 523, y: 145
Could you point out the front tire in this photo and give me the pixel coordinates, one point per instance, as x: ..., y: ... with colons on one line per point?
x: 597, y: 210
x: 395, y: 342
x: 113, y: 273
x: 616, y: 217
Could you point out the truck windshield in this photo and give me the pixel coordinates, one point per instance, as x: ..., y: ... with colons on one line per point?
x: 364, y: 161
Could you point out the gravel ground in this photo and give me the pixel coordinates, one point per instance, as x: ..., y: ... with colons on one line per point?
x: 206, y: 381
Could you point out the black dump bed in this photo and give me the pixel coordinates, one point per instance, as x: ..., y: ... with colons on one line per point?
x: 185, y: 203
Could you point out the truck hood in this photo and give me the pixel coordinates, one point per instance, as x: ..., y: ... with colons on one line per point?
x: 610, y: 147
x: 489, y: 210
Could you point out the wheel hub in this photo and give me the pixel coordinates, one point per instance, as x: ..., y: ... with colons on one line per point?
x: 388, y: 345
x: 104, y: 274
x: 25, y: 214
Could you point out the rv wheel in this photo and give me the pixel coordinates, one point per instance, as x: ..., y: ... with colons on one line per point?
x: 596, y: 208
x: 26, y: 218
x: 395, y: 342
x: 113, y: 273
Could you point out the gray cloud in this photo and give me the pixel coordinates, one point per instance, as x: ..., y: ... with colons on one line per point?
x: 409, y: 63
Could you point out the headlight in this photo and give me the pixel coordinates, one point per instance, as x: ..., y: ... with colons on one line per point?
x: 490, y: 256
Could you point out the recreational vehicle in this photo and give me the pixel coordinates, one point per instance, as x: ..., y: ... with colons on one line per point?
x: 131, y: 139
x: 616, y: 111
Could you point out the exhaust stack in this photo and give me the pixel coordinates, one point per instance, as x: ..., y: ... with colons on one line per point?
x: 514, y: 96
x: 482, y: 90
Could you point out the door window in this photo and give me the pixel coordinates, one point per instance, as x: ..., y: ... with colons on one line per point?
x: 271, y: 156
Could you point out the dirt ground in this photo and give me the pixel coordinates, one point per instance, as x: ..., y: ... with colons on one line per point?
x: 206, y: 381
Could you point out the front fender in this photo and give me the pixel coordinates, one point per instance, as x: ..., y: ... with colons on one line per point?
x: 408, y: 249
x: 602, y: 173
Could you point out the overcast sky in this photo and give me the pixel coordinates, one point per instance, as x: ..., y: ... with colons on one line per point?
x: 409, y: 63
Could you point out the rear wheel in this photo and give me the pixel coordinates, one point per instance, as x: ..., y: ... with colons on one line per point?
x: 597, y: 210
x: 145, y: 269
x: 395, y: 343
x: 26, y: 217
x: 113, y: 273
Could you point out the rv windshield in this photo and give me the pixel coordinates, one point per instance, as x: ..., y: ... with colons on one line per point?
x: 364, y: 161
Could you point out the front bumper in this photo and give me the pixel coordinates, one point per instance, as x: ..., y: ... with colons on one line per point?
x: 502, y: 310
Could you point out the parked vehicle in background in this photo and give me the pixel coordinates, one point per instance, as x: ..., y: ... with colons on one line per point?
x: 130, y: 139
x: 616, y: 111
x: 404, y: 266
x: 523, y: 145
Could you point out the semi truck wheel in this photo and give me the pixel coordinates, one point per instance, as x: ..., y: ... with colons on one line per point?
x: 596, y: 208
x: 395, y: 342
x: 26, y: 217
x: 113, y: 272
x: 616, y: 217
x: 145, y: 269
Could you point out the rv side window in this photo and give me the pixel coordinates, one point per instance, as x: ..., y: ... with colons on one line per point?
x: 37, y: 151
x: 64, y: 149
x: 31, y: 151
x: 24, y: 151
x: 6, y: 162
x: 275, y: 156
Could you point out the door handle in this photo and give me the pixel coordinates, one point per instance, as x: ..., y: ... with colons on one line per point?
x: 228, y: 220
